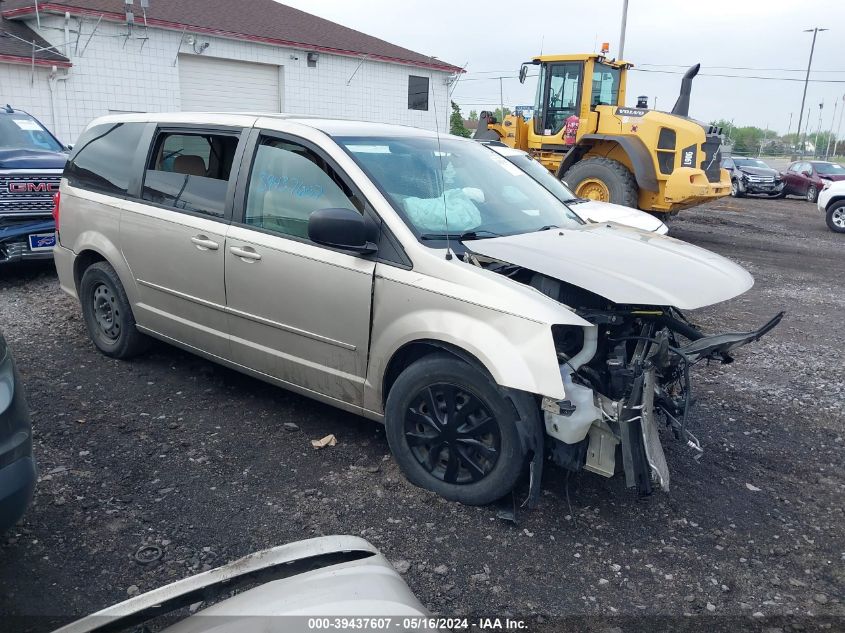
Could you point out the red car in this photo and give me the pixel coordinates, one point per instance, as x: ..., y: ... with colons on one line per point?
x: 807, y: 178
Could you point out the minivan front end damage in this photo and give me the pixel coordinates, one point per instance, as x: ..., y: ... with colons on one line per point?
x: 626, y: 377
x: 630, y: 377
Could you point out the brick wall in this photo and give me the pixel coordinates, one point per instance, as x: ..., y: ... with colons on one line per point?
x: 116, y: 74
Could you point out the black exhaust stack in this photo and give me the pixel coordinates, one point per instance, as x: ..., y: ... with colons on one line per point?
x: 682, y: 104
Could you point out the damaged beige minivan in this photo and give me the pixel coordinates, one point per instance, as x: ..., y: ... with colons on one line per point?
x: 420, y: 281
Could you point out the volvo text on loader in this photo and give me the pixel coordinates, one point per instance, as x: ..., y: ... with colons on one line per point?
x: 583, y: 133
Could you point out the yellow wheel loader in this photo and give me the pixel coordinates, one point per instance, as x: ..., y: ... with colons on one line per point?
x: 583, y: 133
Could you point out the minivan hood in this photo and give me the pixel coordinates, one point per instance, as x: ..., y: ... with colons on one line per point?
x: 624, y: 265
x: 595, y: 211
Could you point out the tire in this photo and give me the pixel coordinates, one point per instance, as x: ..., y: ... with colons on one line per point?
x: 812, y: 193
x: 619, y: 182
x: 426, y: 449
x: 835, y: 217
x: 108, y: 315
x: 737, y: 190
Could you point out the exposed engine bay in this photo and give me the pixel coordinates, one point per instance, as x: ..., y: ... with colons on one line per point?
x: 625, y: 379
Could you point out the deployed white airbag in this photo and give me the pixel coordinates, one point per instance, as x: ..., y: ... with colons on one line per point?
x: 431, y: 214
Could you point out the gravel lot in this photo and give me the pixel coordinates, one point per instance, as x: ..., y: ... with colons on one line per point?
x: 175, y: 451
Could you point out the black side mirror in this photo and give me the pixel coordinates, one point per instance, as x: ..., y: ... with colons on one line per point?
x: 340, y: 228
x: 523, y: 72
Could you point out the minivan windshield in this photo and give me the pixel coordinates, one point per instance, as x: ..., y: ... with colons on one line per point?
x: 21, y: 131
x: 457, y: 187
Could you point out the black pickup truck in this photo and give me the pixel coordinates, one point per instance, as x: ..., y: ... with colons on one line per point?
x: 31, y: 164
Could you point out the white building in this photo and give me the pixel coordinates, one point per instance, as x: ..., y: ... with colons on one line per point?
x: 68, y: 62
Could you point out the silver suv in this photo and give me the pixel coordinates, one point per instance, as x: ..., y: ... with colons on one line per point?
x: 421, y: 281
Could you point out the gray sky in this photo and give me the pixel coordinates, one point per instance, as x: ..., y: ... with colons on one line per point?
x: 759, y: 34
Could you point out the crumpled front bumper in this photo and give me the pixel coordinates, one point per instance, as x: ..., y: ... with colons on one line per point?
x: 14, y: 239
x: 759, y: 188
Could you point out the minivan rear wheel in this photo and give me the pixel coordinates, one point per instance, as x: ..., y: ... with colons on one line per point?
x: 107, y: 313
x: 452, y: 431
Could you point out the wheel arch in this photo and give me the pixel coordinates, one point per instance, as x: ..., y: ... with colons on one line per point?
x: 413, y: 351
x: 83, y: 261
x: 636, y: 151
x: 91, y: 247
x: 833, y: 200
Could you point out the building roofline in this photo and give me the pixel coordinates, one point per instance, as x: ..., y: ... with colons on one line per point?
x: 60, y: 8
x: 28, y: 61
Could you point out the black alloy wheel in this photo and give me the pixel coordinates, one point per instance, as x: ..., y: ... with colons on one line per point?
x: 452, y: 434
x: 454, y: 431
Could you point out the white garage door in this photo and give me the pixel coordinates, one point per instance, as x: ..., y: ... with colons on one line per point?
x: 218, y: 85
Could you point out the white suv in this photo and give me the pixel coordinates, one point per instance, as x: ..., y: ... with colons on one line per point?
x: 423, y: 282
x: 831, y: 202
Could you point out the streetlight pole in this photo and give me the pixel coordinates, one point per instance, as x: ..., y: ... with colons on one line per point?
x: 830, y: 135
x: 839, y: 130
x: 624, y: 26
x: 815, y: 32
x: 818, y: 131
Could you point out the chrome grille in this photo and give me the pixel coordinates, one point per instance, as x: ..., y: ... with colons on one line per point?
x: 28, y: 193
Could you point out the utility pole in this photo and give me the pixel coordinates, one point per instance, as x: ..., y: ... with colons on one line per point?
x: 789, y: 127
x: 804, y: 138
x: 763, y: 141
x: 830, y: 136
x: 624, y: 26
x: 815, y: 31
x: 839, y: 130
x: 501, y: 98
x: 818, y: 131
x: 655, y: 103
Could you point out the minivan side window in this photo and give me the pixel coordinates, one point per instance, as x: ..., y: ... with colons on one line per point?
x: 190, y: 171
x: 102, y: 158
x: 288, y: 183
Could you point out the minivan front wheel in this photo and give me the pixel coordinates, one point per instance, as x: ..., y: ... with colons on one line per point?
x: 452, y: 431
x: 107, y: 313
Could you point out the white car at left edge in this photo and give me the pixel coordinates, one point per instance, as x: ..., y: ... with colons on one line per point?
x: 831, y: 202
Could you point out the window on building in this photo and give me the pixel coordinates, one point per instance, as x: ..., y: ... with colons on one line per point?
x: 288, y: 183
x: 417, y: 93
x: 190, y: 172
x: 102, y: 159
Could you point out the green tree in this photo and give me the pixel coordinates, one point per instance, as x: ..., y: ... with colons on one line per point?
x: 473, y: 115
x: 500, y: 115
x: 456, y: 122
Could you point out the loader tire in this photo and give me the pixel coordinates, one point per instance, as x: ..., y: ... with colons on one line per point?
x: 604, y: 180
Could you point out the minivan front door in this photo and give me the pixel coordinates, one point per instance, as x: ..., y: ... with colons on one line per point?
x: 298, y: 311
x: 174, y: 239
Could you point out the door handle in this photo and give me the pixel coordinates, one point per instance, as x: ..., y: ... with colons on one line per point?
x: 246, y: 253
x: 204, y: 244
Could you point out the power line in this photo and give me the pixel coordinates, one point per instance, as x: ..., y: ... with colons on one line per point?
x: 786, y: 70
x: 674, y: 72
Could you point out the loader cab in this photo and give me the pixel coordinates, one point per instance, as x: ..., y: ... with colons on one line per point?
x: 573, y: 84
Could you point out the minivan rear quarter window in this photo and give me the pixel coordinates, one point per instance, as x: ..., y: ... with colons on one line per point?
x: 190, y: 172
x: 102, y: 159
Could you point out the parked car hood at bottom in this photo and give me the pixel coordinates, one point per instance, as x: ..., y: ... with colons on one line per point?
x: 832, y: 177
x: 624, y: 265
x: 329, y: 576
x: 594, y: 211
